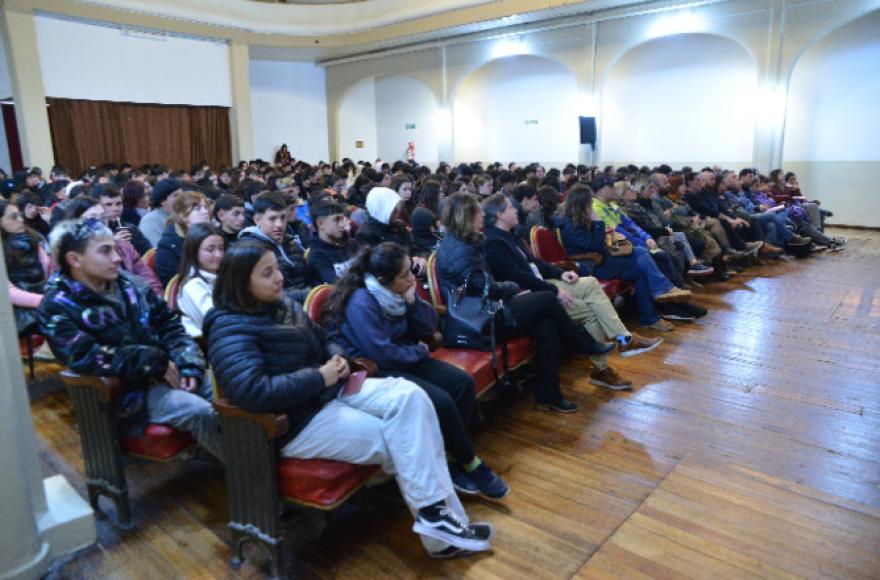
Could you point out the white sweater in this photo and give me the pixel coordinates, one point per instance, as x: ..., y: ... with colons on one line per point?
x: 195, y: 300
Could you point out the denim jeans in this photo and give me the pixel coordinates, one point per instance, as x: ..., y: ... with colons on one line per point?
x: 191, y: 412
x: 640, y: 269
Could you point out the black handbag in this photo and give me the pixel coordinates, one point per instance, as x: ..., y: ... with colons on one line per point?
x: 475, y: 322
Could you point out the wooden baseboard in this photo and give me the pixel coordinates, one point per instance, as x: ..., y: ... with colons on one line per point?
x: 865, y: 228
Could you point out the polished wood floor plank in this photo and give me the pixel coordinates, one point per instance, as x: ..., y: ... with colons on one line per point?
x: 748, y: 447
x: 708, y: 520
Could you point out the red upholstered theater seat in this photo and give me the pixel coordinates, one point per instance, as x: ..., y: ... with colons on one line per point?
x: 321, y: 483
x: 478, y: 364
x: 615, y: 287
x: 546, y: 245
x: 159, y: 443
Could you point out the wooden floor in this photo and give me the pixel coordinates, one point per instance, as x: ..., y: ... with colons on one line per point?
x: 750, y: 446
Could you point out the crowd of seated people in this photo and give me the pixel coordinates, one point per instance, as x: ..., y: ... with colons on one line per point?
x: 237, y: 250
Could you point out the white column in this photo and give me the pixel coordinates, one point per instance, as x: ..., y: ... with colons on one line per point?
x: 242, y: 127
x: 39, y: 519
x: 20, y: 37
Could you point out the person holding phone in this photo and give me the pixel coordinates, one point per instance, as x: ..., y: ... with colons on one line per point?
x: 111, y: 201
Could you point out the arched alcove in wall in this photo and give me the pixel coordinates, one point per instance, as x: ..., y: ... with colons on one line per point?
x: 833, y: 120
x: 385, y: 113
x: 686, y: 98
x: 356, y: 122
x: 517, y: 108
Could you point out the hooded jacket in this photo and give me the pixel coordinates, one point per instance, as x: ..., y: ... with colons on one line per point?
x: 290, y: 256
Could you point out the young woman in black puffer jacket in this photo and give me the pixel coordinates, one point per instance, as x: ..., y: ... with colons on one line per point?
x: 268, y: 356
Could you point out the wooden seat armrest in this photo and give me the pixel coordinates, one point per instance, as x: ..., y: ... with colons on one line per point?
x: 441, y: 310
x: 109, y: 387
x: 362, y: 363
x: 275, y: 424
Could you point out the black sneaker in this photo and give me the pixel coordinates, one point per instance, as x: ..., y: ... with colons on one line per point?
x: 489, y: 484
x: 440, y: 523
x: 461, y: 481
x: 692, y: 309
x: 450, y: 553
x: 674, y: 312
x: 562, y: 406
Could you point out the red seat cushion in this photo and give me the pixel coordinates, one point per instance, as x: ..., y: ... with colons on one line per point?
x: 478, y: 363
x: 322, y: 483
x: 160, y: 442
x: 546, y: 245
x: 615, y: 287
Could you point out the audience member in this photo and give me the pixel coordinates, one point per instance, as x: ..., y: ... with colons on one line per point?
x: 27, y: 267
x: 99, y: 321
x: 203, y: 251
x: 270, y: 217
x: 111, y: 201
x: 376, y: 313
x: 162, y: 199
x: 332, y: 250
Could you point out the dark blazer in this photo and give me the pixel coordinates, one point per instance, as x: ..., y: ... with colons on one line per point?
x: 509, y: 259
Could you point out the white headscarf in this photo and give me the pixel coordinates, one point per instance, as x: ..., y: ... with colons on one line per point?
x: 381, y: 202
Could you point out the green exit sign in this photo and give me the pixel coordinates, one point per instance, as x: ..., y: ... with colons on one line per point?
x: 410, y: 126
x: 531, y: 121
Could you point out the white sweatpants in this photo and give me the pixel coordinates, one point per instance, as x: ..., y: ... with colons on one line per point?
x: 392, y: 423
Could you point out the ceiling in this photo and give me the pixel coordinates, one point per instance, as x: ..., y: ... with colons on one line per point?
x: 320, y: 30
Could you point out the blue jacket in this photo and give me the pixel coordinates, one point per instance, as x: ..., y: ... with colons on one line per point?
x: 580, y: 239
x: 390, y: 342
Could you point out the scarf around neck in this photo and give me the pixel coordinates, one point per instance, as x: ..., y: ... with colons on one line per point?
x: 391, y: 302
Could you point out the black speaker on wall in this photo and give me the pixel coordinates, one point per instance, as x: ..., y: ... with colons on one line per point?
x: 588, y: 130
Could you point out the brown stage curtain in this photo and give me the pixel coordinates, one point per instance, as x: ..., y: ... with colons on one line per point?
x: 86, y: 133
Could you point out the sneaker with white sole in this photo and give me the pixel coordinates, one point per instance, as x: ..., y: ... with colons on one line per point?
x: 440, y: 523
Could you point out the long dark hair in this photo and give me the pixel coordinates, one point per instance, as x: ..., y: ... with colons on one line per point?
x: 383, y: 261
x: 578, y: 204
x: 429, y: 196
x: 189, y: 260
x: 231, y: 290
x: 15, y: 258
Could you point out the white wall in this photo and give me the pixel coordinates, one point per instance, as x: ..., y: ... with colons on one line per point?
x: 402, y: 101
x: 86, y: 61
x: 833, y: 122
x: 496, y: 104
x: 357, y: 122
x: 289, y: 105
x: 680, y: 99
